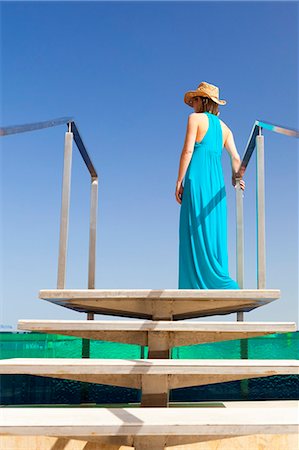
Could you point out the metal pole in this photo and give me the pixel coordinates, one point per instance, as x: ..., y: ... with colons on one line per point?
x: 85, y: 353
x: 65, y: 206
x: 260, y: 201
x: 240, y: 241
x: 240, y: 235
x: 92, y: 255
x: 92, y: 232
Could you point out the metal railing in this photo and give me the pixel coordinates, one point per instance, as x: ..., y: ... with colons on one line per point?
x: 70, y: 135
x: 255, y: 141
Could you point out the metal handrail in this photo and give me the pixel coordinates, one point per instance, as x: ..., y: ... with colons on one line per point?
x: 13, y: 129
x: 70, y: 135
x: 4, y: 131
x: 259, y: 124
x: 256, y: 140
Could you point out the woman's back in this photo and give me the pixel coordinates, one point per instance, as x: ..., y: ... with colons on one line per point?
x: 228, y: 141
x: 203, y: 126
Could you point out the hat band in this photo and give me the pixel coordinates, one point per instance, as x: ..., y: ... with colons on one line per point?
x: 200, y: 92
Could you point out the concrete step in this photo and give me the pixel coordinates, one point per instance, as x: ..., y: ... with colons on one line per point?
x: 154, y: 376
x: 151, y: 428
x: 159, y: 336
x: 160, y: 304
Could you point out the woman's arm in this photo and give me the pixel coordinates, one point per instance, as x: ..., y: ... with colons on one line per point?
x: 235, y: 160
x: 232, y: 150
x: 188, y: 147
x: 186, y: 154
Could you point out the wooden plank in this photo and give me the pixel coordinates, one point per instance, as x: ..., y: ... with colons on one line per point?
x: 151, y: 325
x: 148, y: 421
x: 141, y: 373
x: 149, y: 366
x: 157, y: 294
x: 159, y: 336
x: 165, y: 304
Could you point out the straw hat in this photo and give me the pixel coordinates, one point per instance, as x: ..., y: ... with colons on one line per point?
x: 204, y: 89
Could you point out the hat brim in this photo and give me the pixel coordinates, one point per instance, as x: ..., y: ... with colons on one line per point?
x: 190, y: 94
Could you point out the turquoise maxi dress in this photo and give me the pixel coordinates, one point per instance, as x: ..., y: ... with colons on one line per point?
x: 203, y: 255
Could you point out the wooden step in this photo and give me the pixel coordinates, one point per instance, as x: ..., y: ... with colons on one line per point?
x: 140, y: 332
x: 173, y: 373
x: 150, y: 428
x: 155, y: 377
x: 160, y: 304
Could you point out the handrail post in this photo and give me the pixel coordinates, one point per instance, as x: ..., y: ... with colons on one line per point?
x: 92, y: 237
x: 240, y: 240
x: 92, y: 232
x: 65, y: 207
x: 260, y: 211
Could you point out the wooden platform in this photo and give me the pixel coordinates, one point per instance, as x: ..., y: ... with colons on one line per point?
x: 142, y: 332
x: 164, y: 304
x: 14, y: 439
x: 150, y: 375
x: 197, y: 423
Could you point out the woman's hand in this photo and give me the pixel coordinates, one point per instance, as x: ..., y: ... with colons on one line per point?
x: 242, y: 183
x: 179, y: 191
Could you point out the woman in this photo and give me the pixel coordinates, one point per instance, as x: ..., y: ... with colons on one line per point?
x: 203, y: 255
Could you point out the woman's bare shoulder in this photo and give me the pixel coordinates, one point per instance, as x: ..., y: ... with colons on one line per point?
x: 202, y: 117
x: 226, y: 127
x: 226, y: 132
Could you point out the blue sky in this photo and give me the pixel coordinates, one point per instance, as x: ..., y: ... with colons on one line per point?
x: 121, y: 70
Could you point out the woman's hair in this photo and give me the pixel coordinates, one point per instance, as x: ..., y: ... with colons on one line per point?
x: 209, y: 105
